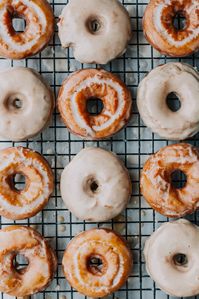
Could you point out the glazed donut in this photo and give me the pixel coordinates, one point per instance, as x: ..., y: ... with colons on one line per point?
x: 85, y: 85
x: 80, y: 262
x: 97, y: 30
x: 171, y: 255
x: 89, y: 189
x: 25, y: 203
x: 181, y: 79
x: 156, y: 180
x: 39, y: 19
x: 161, y: 33
x: 42, y: 262
x: 26, y: 103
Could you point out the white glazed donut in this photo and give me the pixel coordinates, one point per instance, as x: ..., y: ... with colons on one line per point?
x: 36, y: 103
x: 181, y: 79
x: 97, y: 30
x: 95, y: 185
x: 172, y: 260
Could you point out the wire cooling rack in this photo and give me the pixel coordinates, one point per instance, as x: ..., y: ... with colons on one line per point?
x: 133, y: 145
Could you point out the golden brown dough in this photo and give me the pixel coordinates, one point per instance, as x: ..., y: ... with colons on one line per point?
x: 156, y: 184
x: 42, y: 262
x: 85, y: 276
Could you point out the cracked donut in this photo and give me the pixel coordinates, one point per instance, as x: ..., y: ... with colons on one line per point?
x: 161, y: 32
x: 39, y: 27
x: 87, y: 85
x: 26, y: 103
x: 95, y: 185
x: 180, y: 79
x: 20, y: 204
x: 25, y: 242
x: 97, y: 30
x: 171, y: 255
x: 156, y: 180
x: 97, y: 262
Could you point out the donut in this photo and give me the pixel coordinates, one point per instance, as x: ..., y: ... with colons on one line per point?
x: 26, y: 103
x: 178, y: 78
x: 160, y: 30
x: 156, y: 180
x: 90, y: 190
x: 42, y: 262
x: 20, y: 204
x: 97, y: 30
x: 97, y: 262
x: 171, y: 256
x: 85, y: 85
x: 39, y: 27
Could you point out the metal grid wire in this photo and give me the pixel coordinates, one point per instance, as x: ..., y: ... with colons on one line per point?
x: 133, y: 145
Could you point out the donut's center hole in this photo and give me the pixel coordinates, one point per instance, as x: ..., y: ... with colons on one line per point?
x: 180, y: 259
x: 14, y: 103
x: 94, y: 25
x: 20, y: 263
x: 179, y: 21
x: 18, y: 24
x: 94, y: 106
x: 18, y: 181
x: 173, y: 102
x: 17, y: 103
x: 94, y: 186
x: 95, y: 264
x: 178, y: 179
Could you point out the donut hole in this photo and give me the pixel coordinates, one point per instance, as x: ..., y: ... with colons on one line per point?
x: 180, y: 21
x: 180, y: 259
x: 94, y: 25
x: 94, y: 106
x: 94, y: 186
x: 18, y: 22
x: 96, y: 264
x: 173, y: 102
x: 178, y: 179
x: 14, y: 103
x: 17, y: 103
x: 20, y: 263
x: 18, y: 182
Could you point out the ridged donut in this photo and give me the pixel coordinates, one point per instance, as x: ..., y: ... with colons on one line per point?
x: 84, y: 85
x: 87, y: 278
x: 25, y: 203
x: 172, y: 261
x: 161, y: 33
x: 156, y: 183
x: 39, y: 28
x: 42, y: 262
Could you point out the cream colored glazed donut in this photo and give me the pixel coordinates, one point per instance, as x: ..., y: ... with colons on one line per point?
x: 25, y: 87
x: 95, y: 185
x: 181, y: 79
x: 97, y: 30
x: 38, y: 31
x: 84, y: 85
x: 25, y: 203
x: 159, y: 29
x: 97, y: 244
x: 172, y: 261
x: 42, y: 262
